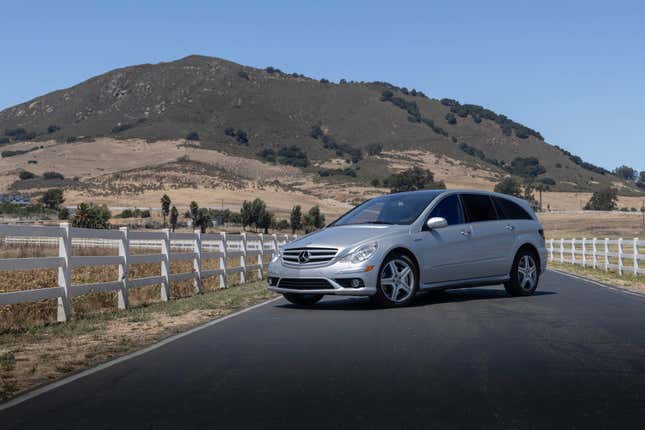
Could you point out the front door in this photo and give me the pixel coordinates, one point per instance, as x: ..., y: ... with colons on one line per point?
x: 446, y: 253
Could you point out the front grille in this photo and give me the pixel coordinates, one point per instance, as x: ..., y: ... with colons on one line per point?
x: 304, y: 284
x: 308, y: 256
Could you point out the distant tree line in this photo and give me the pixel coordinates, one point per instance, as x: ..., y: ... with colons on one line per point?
x: 291, y: 155
x: 478, y: 112
x: 412, y: 109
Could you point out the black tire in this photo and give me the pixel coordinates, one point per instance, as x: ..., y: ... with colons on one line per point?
x: 381, y: 297
x: 303, y: 299
x: 518, y: 285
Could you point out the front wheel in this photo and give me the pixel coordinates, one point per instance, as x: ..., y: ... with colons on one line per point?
x: 303, y: 299
x: 398, y: 281
x: 524, y: 275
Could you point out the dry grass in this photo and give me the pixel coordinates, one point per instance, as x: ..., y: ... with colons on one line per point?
x: 627, y: 281
x: 593, y: 224
x: 35, y: 355
x: 42, y: 312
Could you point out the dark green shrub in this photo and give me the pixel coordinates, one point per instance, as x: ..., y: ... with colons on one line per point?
x: 603, y: 200
x: 411, y: 180
x: 243, y: 74
x: 24, y: 175
x: 450, y: 117
x: 526, y: 167
x: 193, y: 135
x: 53, y: 175
x: 53, y: 128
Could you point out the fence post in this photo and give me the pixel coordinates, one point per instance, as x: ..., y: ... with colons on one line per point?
x: 243, y: 273
x: 573, y: 251
x: 124, y: 252
x: 64, y: 273
x: 275, y: 245
x: 620, y: 256
x: 223, y: 281
x: 165, y: 265
x: 584, y: 252
x: 606, y: 254
x: 197, y: 262
x: 594, y: 253
x: 561, y: 250
x: 635, y: 258
x: 551, y: 249
x: 261, y: 257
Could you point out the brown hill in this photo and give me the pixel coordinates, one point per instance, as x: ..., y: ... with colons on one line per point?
x: 290, y: 119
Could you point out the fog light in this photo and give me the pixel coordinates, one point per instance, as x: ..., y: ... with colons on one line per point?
x: 356, y: 283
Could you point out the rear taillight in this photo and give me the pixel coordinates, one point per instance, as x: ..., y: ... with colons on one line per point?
x: 541, y: 231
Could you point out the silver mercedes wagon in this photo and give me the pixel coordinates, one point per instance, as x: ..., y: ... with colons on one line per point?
x: 393, y: 246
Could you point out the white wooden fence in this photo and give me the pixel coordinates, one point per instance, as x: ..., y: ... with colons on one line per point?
x: 622, y: 256
x: 249, y: 248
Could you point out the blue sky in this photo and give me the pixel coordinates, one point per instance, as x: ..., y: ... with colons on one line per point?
x: 575, y: 71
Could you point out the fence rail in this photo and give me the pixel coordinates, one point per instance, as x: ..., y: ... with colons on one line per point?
x: 249, y: 248
x: 620, y: 255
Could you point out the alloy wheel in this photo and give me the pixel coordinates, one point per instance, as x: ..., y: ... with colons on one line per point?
x: 397, y: 280
x: 527, y: 272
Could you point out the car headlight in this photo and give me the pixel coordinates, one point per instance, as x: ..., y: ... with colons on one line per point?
x: 361, y: 253
x: 277, y: 255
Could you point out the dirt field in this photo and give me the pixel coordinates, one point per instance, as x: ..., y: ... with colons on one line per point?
x: 593, y: 224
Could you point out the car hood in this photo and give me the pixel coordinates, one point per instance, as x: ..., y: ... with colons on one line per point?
x: 347, y: 236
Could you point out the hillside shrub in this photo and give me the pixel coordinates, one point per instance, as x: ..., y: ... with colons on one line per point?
x: 335, y: 172
x: 53, y: 175
x: 412, y: 179
x: 243, y: 74
x: 580, y: 162
x: 509, y: 186
x: 7, y: 154
x: 193, y: 135
x: 374, y: 148
x: 24, y: 175
x: 53, y: 128
x: 4, y: 140
x: 526, y: 167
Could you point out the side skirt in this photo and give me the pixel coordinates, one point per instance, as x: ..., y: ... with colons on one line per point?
x: 462, y: 283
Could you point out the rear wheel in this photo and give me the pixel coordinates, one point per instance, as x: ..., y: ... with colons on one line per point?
x: 398, y: 281
x: 303, y: 299
x: 524, y: 274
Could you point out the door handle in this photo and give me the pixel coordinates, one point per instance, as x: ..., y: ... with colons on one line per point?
x: 509, y: 227
x: 465, y: 233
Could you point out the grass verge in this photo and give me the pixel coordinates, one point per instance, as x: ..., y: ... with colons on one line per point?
x: 36, y: 355
x: 627, y: 281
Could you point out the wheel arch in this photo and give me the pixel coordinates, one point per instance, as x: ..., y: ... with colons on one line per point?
x: 405, y: 251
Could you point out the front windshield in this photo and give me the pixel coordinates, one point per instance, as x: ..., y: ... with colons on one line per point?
x: 401, y: 208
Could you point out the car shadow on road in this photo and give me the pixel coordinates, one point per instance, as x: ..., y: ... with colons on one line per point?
x: 425, y: 298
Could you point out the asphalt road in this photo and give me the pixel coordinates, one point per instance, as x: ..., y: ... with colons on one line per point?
x: 571, y: 356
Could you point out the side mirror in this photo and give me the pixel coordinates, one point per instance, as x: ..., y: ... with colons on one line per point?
x: 436, y: 222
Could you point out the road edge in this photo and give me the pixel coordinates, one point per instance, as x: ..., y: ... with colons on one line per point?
x: 87, y: 372
x: 598, y: 283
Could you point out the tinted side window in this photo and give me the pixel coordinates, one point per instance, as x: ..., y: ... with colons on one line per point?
x: 511, y: 210
x: 478, y: 207
x: 450, y: 209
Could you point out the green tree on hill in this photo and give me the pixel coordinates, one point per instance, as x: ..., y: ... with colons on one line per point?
x: 296, y: 218
x: 314, y: 219
x: 603, y: 200
x: 510, y: 186
x: 89, y: 215
x: 165, y: 207
x: 53, y: 198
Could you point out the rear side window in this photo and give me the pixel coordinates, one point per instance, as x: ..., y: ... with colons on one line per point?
x: 478, y: 207
x: 511, y: 210
x: 450, y: 209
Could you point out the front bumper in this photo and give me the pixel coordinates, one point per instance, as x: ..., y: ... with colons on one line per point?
x: 330, y: 274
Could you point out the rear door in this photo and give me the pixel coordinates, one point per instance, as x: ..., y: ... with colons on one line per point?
x: 492, y: 239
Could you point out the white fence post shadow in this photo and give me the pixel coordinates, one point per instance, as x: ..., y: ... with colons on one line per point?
x: 261, y: 257
x: 223, y: 280
x: 64, y: 310
x: 124, y: 252
x: 620, y: 256
x: 165, y: 265
x: 594, y: 253
x: 635, y: 257
x: 197, y: 262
